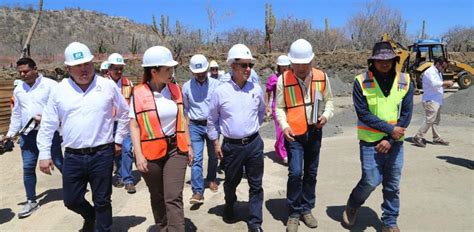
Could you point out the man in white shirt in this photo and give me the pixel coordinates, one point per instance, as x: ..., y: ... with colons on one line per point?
x: 123, y: 162
x: 433, y: 89
x: 29, y: 99
x: 83, y: 104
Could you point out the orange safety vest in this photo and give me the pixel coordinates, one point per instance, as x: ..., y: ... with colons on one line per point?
x: 153, y: 140
x: 126, y: 89
x: 294, y: 99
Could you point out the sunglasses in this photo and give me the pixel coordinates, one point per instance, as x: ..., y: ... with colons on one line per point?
x: 245, y: 65
x: 214, y: 69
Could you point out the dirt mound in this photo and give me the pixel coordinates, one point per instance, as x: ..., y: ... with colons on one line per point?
x: 460, y: 102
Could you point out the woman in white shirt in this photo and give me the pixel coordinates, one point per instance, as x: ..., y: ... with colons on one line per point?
x: 160, y: 139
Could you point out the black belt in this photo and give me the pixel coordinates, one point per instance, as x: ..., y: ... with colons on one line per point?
x: 87, y: 150
x: 243, y: 141
x: 199, y: 122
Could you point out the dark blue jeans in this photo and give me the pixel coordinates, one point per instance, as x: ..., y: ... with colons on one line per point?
x: 198, y: 137
x: 303, y: 161
x: 236, y: 158
x: 385, y: 169
x: 29, y: 154
x: 95, y: 169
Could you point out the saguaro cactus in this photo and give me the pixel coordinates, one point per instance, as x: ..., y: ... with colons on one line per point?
x: 269, y: 25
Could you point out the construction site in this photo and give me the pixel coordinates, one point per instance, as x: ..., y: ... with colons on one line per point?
x: 437, y: 186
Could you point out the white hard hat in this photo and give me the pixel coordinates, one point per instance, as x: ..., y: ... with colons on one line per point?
x: 283, y: 60
x: 104, y: 65
x: 77, y: 53
x: 213, y: 64
x: 158, y: 56
x: 198, y: 63
x: 239, y: 51
x: 301, y: 52
x: 116, y: 59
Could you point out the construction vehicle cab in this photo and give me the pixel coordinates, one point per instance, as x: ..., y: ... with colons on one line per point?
x: 424, y: 52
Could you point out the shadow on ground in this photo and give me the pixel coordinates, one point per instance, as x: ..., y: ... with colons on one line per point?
x: 366, y: 218
x: 273, y: 156
x: 188, y: 226
x: 6, y: 215
x: 48, y: 196
x: 458, y: 161
x: 278, y: 209
x: 240, y: 211
x: 124, y: 223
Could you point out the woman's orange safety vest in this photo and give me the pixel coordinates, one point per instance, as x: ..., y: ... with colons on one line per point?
x: 294, y: 99
x: 153, y: 140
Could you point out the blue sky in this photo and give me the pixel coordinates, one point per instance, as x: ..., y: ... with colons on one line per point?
x: 440, y: 15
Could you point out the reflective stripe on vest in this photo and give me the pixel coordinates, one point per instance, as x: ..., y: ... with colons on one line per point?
x: 294, y: 99
x: 385, y: 108
x: 152, y: 138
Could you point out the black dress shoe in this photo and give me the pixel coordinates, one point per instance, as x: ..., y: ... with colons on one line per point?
x: 228, y: 213
x: 259, y: 229
x: 89, y: 225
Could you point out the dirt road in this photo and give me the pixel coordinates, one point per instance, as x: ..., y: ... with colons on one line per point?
x: 437, y: 192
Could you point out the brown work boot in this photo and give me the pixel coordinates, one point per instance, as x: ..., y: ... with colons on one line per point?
x: 418, y: 141
x: 213, y: 186
x: 130, y: 187
x: 292, y: 224
x: 349, y: 216
x: 440, y: 141
x: 309, y: 220
x: 390, y: 229
x: 197, y: 198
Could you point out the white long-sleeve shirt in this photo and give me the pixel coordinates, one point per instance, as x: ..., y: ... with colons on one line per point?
x: 29, y: 101
x: 86, y: 117
x: 433, y: 85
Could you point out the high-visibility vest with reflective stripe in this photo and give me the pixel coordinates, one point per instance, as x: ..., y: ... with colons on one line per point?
x: 294, y: 99
x: 385, y: 108
x: 153, y: 140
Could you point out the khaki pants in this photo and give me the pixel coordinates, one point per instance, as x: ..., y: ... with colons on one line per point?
x: 165, y: 181
x: 433, y: 116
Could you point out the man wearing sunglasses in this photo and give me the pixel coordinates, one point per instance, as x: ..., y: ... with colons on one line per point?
x: 253, y: 76
x: 236, y: 111
x: 304, y: 104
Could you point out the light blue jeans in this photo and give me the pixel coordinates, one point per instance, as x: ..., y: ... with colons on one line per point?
x: 385, y: 169
x: 198, y: 136
x: 29, y: 154
x: 124, y: 162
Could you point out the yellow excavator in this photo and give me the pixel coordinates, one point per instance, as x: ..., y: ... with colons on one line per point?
x: 424, y: 52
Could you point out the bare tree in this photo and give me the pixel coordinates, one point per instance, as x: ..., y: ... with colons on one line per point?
x: 367, y: 26
x: 460, y: 39
x: 25, y: 52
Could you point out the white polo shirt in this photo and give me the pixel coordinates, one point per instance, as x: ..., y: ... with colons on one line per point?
x: 29, y: 101
x: 86, y: 117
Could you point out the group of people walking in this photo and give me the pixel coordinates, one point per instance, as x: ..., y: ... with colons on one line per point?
x: 100, y: 119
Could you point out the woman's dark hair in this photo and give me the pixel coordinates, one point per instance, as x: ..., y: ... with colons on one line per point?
x: 147, y: 73
x: 26, y: 60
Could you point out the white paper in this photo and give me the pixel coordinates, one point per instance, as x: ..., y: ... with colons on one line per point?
x: 318, y: 98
